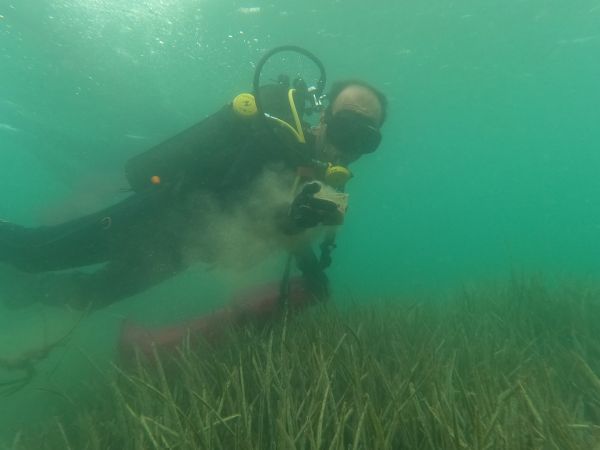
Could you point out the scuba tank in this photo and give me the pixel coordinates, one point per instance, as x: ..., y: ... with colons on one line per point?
x: 173, y: 161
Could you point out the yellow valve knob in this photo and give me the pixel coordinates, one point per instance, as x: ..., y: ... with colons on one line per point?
x: 337, y: 176
x: 244, y: 105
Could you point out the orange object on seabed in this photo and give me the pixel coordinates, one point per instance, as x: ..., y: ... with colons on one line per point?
x: 256, y: 306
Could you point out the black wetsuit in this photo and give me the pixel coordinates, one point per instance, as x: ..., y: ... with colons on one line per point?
x: 142, y: 239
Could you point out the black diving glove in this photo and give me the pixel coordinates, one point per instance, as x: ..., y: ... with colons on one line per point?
x: 308, y: 211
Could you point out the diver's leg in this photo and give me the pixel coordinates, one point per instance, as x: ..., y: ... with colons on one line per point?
x: 52, y: 247
x: 135, y: 270
x: 80, y: 242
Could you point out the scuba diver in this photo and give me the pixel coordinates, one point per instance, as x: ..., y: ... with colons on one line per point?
x: 253, y: 171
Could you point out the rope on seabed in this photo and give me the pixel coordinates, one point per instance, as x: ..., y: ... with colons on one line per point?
x: 27, y: 361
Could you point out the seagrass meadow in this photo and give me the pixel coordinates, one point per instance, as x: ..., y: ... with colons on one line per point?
x: 505, y: 366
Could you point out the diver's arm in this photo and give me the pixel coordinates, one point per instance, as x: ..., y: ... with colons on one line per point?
x: 284, y: 222
x: 313, y: 274
x: 308, y: 211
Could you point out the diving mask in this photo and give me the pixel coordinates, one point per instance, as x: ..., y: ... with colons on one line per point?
x: 352, y: 132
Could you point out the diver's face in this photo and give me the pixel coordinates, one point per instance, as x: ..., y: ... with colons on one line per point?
x: 352, y: 129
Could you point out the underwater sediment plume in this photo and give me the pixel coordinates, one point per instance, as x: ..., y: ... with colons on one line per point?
x: 511, y: 366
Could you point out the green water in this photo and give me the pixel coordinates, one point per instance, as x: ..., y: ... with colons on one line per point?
x: 489, y: 161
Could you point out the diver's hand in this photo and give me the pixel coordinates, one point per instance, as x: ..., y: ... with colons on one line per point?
x: 307, y: 211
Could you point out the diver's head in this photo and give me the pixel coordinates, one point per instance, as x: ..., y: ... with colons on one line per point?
x: 350, y: 126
